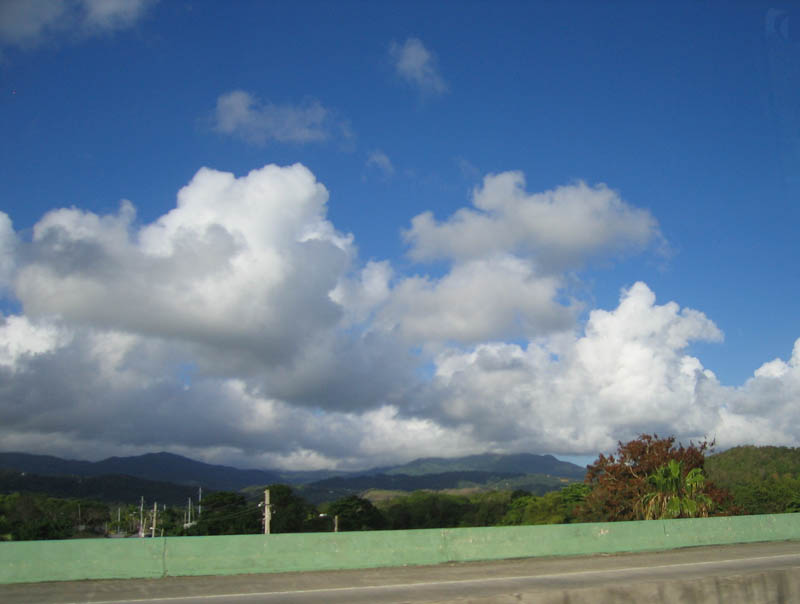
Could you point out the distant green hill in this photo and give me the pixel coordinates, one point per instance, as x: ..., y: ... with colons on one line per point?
x: 342, y: 486
x: 762, y: 480
x: 520, y: 463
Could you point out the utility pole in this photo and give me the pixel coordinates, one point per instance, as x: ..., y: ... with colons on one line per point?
x: 336, y: 523
x: 200, y: 502
x: 141, y: 518
x: 267, y: 512
x: 155, y: 513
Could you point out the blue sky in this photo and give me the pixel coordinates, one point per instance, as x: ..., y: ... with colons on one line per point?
x: 604, y: 205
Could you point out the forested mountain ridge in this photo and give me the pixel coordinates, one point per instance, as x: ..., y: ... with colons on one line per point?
x: 165, y: 467
x: 342, y: 486
x: 168, y: 467
x: 518, y: 463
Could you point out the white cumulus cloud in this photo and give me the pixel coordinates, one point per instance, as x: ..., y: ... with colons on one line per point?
x: 28, y: 23
x: 240, y: 114
x: 240, y: 263
x: 114, y: 14
x: 497, y: 298
x: 626, y: 374
x: 765, y: 410
x: 417, y: 66
x: 380, y: 161
x: 22, y: 340
x: 561, y: 228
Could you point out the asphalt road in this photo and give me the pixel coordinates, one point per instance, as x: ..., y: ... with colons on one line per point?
x: 528, y: 580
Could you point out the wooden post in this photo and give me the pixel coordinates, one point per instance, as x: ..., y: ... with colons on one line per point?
x: 267, y: 512
x: 336, y: 523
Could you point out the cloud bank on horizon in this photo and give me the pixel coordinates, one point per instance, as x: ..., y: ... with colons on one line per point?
x: 242, y: 325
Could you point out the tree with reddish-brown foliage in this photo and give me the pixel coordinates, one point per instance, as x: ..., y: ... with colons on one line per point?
x: 619, y: 481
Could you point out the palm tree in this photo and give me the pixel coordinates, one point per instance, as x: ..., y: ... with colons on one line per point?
x: 674, y: 495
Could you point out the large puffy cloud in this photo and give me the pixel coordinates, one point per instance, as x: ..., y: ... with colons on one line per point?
x: 626, y: 374
x: 561, y: 228
x: 508, y: 255
x: 500, y: 297
x: 230, y: 327
x: 766, y: 409
x: 239, y: 263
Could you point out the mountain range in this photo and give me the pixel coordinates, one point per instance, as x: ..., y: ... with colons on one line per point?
x: 164, y: 467
x: 519, y: 463
x: 169, y: 467
x: 145, y: 472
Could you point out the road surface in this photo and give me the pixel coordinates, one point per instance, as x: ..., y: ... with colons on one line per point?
x: 764, y: 572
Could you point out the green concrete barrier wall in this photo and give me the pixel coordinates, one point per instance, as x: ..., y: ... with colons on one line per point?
x: 68, y: 560
x: 32, y: 561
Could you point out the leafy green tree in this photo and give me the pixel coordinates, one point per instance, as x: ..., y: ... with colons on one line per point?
x: 574, y: 494
x: 171, y: 520
x: 227, y: 513
x: 793, y: 506
x: 488, y: 509
x: 356, y: 514
x: 535, y: 509
x: 556, y: 507
x: 25, y: 517
x: 423, y: 509
x: 290, y: 512
x: 675, y: 493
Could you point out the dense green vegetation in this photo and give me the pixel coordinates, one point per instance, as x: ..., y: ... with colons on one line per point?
x: 493, y: 508
x: 25, y: 517
x: 32, y: 516
x: 762, y: 480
